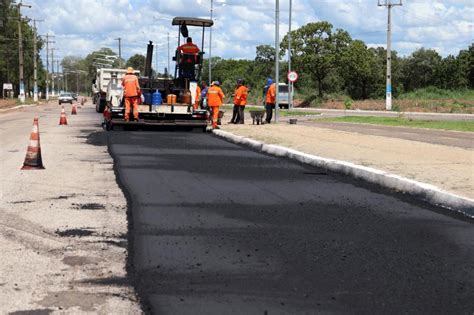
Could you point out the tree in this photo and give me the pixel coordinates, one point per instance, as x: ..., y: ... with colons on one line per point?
x: 359, y: 70
x: 420, y: 68
x: 315, y: 50
x: 466, y: 65
x: 449, y: 74
x: 9, y: 70
x: 137, y: 62
x: 265, y: 54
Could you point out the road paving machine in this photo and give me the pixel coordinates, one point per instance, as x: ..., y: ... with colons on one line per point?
x: 168, y: 100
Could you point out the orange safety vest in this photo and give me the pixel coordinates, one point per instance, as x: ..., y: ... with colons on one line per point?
x: 215, y: 96
x: 188, y: 48
x: 240, y: 96
x: 271, y: 94
x: 131, y: 88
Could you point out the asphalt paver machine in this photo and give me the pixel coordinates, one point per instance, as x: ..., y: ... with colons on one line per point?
x: 176, y: 93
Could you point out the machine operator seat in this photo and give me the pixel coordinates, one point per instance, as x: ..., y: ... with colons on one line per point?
x: 186, y: 64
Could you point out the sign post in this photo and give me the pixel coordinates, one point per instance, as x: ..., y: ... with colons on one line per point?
x: 292, y: 77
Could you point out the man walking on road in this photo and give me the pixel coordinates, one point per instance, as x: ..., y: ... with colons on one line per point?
x: 270, y: 98
x: 131, y: 93
x: 215, y: 97
x: 240, y: 100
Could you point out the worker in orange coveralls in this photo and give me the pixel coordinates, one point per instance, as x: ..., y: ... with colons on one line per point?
x: 240, y: 100
x: 270, y: 102
x: 215, y: 97
x: 197, y: 99
x: 189, y: 48
x: 131, y: 93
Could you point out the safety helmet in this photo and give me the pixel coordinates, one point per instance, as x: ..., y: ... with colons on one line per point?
x: 216, y: 83
x: 269, y: 81
x: 129, y: 70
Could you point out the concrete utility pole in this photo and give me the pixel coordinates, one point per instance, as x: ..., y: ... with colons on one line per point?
x: 47, y: 64
x: 35, y: 63
x: 21, y: 94
x: 389, y: 4
x: 52, y: 70
x: 277, y: 61
x: 168, y: 70
x: 290, y: 84
x: 57, y: 71
x: 120, y: 51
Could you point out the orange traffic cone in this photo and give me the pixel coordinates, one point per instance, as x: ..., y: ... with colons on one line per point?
x: 33, y: 159
x: 74, y: 110
x: 63, y: 119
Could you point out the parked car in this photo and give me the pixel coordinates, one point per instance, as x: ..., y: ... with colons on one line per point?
x: 65, y: 98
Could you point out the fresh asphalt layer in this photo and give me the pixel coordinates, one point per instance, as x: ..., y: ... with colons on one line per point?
x: 216, y: 228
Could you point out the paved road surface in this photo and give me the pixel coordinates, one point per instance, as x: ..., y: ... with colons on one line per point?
x: 444, y: 137
x: 219, y: 229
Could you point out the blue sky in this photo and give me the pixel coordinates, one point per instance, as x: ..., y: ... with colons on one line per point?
x: 82, y: 26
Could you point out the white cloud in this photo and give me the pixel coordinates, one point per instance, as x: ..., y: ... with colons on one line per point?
x: 82, y: 26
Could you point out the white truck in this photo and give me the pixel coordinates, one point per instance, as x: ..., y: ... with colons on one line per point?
x: 100, y: 86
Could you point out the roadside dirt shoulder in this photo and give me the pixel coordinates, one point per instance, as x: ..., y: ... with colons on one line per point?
x: 449, y: 168
x: 63, y: 230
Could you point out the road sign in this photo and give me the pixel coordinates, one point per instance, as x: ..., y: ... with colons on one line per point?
x: 292, y: 76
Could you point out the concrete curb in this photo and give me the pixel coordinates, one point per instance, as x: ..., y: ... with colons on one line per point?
x: 427, y: 192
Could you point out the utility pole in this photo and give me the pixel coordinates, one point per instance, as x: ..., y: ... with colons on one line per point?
x: 290, y: 84
x: 35, y: 63
x: 21, y: 94
x: 277, y: 63
x: 57, y: 71
x: 120, y: 51
x: 52, y: 70
x: 168, y: 70
x: 47, y: 64
x: 210, y: 45
x: 389, y: 4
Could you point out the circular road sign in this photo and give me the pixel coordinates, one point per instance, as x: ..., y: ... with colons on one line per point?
x: 292, y: 76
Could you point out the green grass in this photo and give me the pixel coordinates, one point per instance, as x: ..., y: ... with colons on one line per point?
x: 433, y: 93
x: 403, y: 122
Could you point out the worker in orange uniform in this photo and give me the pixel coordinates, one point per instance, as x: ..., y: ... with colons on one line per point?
x: 215, y: 98
x: 197, y: 99
x: 131, y: 93
x: 240, y: 100
x: 189, y: 48
x: 270, y: 99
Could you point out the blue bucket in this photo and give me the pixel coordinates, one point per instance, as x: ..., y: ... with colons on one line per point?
x: 148, y: 98
x: 156, y: 98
